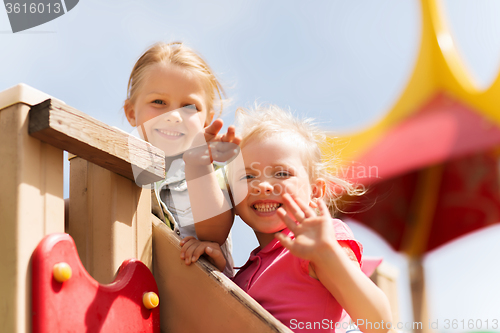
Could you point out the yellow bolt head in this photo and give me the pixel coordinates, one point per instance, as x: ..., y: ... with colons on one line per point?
x: 62, y: 272
x: 150, y: 300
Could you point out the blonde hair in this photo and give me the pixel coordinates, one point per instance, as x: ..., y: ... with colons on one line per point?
x: 263, y: 122
x: 176, y: 53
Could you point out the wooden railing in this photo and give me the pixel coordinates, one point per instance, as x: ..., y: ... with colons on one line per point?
x: 109, y: 216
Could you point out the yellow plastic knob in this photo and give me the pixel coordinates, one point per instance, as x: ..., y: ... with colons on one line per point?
x: 150, y: 300
x: 62, y: 272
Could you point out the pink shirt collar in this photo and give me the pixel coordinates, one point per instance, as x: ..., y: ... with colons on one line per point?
x: 273, y: 245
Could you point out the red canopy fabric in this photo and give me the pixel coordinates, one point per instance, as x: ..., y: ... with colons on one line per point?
x: 468, y: 199
x: 443, y: 132
x: 443, y: 129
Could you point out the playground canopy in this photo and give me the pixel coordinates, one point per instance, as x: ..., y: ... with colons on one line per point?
x: 435, y: 154
x: 431, y: 162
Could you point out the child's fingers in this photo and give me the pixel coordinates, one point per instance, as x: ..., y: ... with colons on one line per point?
x: 224, y: 151
x: 221, y: 146
x: 229, y: 136
x: 308, y: 211
x: 286, y: 241
x: 293, y: 208
x: 188, y: 256
x: 183, y: 243
x: 226, y: 156
x: 289, y: 222
x: 323, y: 209
x: 185, y: 240
x: 213, y: 251
x: 212, y: 130
x: 199, y: 251
x: 237, y: 140
x: 202, y: 249
x: 216, y: 256
x: 190, y: 247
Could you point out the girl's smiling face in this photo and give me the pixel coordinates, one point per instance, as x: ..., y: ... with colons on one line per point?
x: 170, y: 108
x: 273, y: 166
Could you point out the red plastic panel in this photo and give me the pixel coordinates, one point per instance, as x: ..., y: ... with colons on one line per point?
x: 81, y: 304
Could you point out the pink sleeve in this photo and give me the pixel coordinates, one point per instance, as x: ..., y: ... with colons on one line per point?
x: 344, y: 233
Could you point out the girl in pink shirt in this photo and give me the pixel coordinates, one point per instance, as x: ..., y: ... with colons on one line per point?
x: 306, y: 271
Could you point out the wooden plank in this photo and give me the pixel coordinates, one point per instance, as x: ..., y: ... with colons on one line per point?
x: 109, y: 219
x: 199, y: 298
x: 66, y: 128
x: 31, y: 206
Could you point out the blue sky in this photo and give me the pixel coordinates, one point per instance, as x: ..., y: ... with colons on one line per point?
x: 341, y: 62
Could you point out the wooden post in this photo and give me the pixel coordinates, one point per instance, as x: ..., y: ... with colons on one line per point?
x: 31, y: 202
x: 110, y: 219
x: 414, y: 242
x: 109, y: 215
x: 418, y: 296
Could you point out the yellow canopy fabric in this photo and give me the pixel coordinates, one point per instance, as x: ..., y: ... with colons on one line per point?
x: 438, y: 70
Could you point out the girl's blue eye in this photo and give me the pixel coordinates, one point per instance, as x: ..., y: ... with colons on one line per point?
x: 191, y: 107
x: 247, y: 177
x: 158, y: 101
x: 282, y: 174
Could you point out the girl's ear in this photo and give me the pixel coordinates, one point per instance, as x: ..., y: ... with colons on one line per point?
x: 318, y: 189
x: 130, y: 113
x: 210, y: 117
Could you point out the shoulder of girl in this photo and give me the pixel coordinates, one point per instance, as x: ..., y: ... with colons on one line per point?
x: 346, y: 239
x: 342, y: 228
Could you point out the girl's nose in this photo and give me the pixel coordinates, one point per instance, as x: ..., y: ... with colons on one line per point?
x: 173, y: 116
x: 262, y: 187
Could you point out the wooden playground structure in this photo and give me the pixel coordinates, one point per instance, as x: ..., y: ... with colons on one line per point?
x: 109, y: 218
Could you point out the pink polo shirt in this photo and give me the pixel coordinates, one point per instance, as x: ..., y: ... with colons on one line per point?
x: 280, y: 282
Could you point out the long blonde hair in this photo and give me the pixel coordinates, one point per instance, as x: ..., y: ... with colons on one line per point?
x: 177, y: 54
x: 263, y: 122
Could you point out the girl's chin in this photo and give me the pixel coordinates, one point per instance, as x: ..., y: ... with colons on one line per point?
x: 170, y: 152
x: 271, y: 229
x: 168, y: 148
x: 265, y: 214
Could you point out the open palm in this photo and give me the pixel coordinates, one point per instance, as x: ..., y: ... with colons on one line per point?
x: 210, y: 146
x: 313, y: 233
